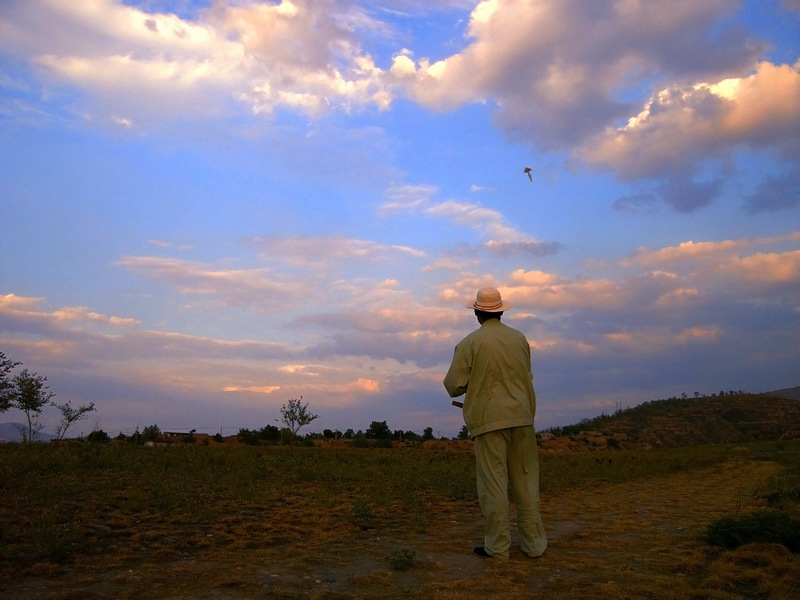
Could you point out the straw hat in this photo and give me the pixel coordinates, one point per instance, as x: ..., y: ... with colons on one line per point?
x: 488, y: 300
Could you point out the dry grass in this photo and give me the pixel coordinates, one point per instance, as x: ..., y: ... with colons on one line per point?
x: 129, y: 522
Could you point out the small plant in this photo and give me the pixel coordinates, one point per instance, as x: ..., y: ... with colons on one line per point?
x: 401, y: 560
x: 362, y: 514
x: 766, y: 527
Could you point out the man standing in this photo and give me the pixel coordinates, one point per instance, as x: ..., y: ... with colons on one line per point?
x: 492, y: 365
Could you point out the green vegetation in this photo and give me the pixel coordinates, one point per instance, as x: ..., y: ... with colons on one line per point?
x: 780, y: 524
x: 401, y: 560
x: 295, y: 414
x: 723, y: 418
x: 761, y: 527
x: 100, y: 508
x: 104, y: 489
x: 27, y: 392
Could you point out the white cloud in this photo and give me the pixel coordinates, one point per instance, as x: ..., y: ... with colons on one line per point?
x: 555, y: 92
x: 235, y: 286
x: 695, y: 251
x: 321, y: 251
x: 32, y: 308
x: 500, y: 238
x: 303, y: 55
x: 682, y: 125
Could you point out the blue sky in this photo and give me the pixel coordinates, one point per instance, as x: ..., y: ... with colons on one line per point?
x: 211, y: 208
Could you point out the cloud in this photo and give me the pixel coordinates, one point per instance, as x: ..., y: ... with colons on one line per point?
x: 680, y: 126
x: 685, y: 130
x: 711, y: 95
x: 235, y: 286
x: 775, y: 193
x: 165, y: 244
x: 692, y: 251
x: 302, y: 55
x: 319, y: 251
x: 657, y: 340
x: 529, y: 247
x: 31, y: 309
x: 501, y: 239
x: 556, y: 93
x: 769, y: 269
x: 256, y: 389
x: 683, y: 251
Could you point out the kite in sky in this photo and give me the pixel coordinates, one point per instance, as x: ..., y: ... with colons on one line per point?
x: 528, y: 173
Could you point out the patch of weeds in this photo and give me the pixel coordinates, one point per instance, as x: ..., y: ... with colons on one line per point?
x: 766, y: 527
x: 421, y: 522
x: 401, y: 560
x: 784, y: 490
x: 361, y: 514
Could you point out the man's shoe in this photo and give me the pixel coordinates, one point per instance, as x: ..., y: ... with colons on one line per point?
x: 481, y: 551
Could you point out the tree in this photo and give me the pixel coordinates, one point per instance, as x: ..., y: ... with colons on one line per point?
x: 98, y: 436
x: 6, y: 385
x: 464, y: 433
x: 412, y: 436
x: 270, y: 433
x: 30, y: 394
x: 150, y: 433
x: 250, y: 437
x: 379, y: 430
x: 427, y: 433
x: 71, y: 415
x: 295, y: 414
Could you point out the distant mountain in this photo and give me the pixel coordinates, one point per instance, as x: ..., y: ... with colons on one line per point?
x: 10, y: 432
x: 719, y: 419
x: 791, y: 393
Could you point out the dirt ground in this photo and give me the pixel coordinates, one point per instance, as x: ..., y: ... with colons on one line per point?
x: 642, y: 539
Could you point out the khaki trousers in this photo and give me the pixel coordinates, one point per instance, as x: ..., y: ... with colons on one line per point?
x: 502, y: 456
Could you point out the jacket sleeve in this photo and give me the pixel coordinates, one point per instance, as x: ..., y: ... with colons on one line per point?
x: 457, y: 378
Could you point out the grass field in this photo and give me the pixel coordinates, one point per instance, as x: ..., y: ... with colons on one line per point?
x: 101, y: 521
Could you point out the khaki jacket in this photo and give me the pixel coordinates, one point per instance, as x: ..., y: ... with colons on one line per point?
x: 492, y: 365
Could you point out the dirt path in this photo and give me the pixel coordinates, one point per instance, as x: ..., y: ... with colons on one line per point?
x: 640, y: 539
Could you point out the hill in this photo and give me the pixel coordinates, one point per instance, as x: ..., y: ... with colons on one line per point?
x: 11, y: 432
x: 719, y: 419
x: 790, y: 393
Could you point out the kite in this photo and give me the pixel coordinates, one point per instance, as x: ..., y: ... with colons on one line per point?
x: 527, y: 172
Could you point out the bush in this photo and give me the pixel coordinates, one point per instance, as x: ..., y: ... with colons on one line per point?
x: 766, y: 527
x: 98, y: 436
x: 400, y: 560
x: 250, y: 437
x: 360, y: 442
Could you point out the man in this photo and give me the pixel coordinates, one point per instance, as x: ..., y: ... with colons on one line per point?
x: 492, y: 365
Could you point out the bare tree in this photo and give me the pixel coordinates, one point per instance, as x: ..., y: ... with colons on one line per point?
x: 71, y: 415
x: 295, y: 414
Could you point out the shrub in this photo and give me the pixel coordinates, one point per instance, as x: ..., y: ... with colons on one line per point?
x: 98, y: 436
x: 768, y: 527
x: 250, y: 437
x: 400, y: 560
x: 360, y: 442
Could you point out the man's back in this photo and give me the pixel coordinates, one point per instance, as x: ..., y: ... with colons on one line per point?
x: 492, y: 365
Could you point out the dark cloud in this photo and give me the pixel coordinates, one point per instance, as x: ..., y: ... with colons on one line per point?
x: 775, y: 193
x: 524, y: 248
x: 645, y: 203
x: 686, y: 195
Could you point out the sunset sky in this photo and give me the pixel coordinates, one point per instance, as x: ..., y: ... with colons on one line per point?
x: 210, y: 208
